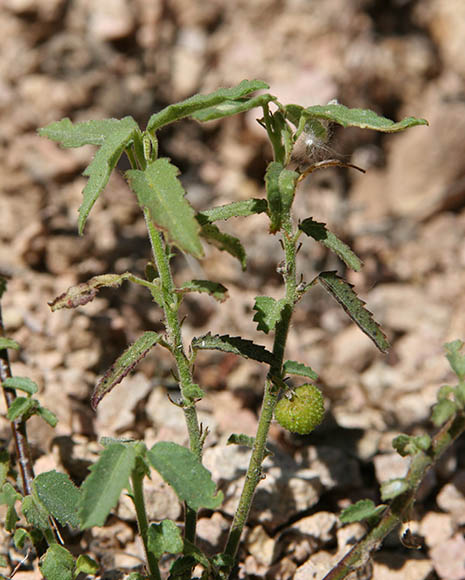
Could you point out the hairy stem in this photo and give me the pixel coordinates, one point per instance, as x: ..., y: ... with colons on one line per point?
x: 401, y: 505
x: 137, y: 478
x: 270, y: 397
x: 173, y: 328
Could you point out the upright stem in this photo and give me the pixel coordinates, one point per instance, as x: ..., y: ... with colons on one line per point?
x: 173, y: 328
x: 270, y: 397
x: 138, y: 500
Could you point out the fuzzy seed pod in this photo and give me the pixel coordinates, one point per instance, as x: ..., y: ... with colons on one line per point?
x: 303, y: 411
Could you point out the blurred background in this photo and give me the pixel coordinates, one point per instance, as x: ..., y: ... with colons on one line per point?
x: 405, y: 218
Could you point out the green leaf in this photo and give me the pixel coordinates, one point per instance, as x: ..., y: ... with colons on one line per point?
x: 456, y: 360
x: 224, y: 242
x: 103, y: 486
x: 235, y: 345
x: 83, y: 293
x: 291, y: 367
x: 20, y: 537
x: 47, y: 415
x: 362, y: 118
x: 241, y: 439
x: 216, y: 290
x: 57, y: 563
x: 9, y: 497
x: 4, y: 465
x: 442, y: 411
x: 320, y: 233
x: 410, y: 445
x: 159, y: 189
x: 164, y: 537
x: 362, y: 510
x: 21, y: 384
x: 343, y: 292
x: 124, y: 365
x: 273, y: 195
x: 231, y: 107
x: 22, y: 408
x: 85, y: 565
x: 181, y: 469
x: 198, y: 102
x: 112, y: 135
x: 35, y: 513
x: 393, y: 488
x: 8, y: 343
x: 193, y: 392
x: 59, y: 495
x: 193, y: 551
x: 234, y: 209
x: 268, y: 312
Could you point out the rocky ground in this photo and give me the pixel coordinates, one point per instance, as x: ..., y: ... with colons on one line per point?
x: 405, y: 217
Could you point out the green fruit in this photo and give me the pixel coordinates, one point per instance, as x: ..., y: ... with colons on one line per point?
x: 303, y: 411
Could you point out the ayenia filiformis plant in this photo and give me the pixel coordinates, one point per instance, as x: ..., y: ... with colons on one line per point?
x: 173, y: 223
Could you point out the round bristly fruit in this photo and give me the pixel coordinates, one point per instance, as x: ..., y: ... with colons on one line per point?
x: 303, y: 411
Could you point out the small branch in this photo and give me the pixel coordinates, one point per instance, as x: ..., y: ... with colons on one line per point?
x: 399, y: 510
x: 18, y: 427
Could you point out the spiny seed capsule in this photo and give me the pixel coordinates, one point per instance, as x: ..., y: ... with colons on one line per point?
x: 303, y: 411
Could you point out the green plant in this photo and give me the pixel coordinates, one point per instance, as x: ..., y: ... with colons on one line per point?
x: 173, y: 225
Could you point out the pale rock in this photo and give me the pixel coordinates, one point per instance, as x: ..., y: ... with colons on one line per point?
x: 110, y: 20
x: 321, y: 525
x: 332, y: 465
x: 451, y: 498
x: 117, y: 412
x: 212, y: 532
x: 435, y: 528
x: 261, y: 546
x: 390, y: 466
x: 448, y: 558
x: 392, y: 566
x: 317, y: 567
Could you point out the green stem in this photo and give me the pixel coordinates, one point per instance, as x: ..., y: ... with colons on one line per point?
x: 142, y: 522
x: 270, y: 397
x: 173, y: 329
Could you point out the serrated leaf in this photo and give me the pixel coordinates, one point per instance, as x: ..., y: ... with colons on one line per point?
x: 181, y: 469
x: 57, y: 563
x: 8, y: 343
x: 410, y: 445
x: 59, y: 495
x: 343, y: 292
x: 234, y: 209
x: 164, y: 537
x: 224, y: 242
x: 85, y: 565
x: 393, y: 488
x: 273, y: 195
x: 22, y: 408
x: 268, y: 312
x: 235, y: 345
x: 362, y: 510
x: 214, y: 289
x: 124, y: 365
x: 112, y: 135
x: 456, y: 360
x: 291, y: 367
x: 442, y: 411
x: 103, y: 486
x: 21, y: 384
x: 362, y: 118
x: 231, y: 107
x: 198, y: 102
x: 160, y: 191
x: 320, y: 233
x: 83, y: 293
x: 241, y: 439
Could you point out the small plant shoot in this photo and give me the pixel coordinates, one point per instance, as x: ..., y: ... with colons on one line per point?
x: 174, y: 225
